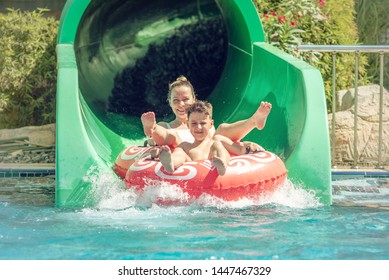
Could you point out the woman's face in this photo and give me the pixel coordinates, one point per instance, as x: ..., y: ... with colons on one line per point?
x: 181, y: 98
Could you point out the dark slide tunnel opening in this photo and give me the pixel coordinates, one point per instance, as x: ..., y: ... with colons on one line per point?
x: 129, y: 51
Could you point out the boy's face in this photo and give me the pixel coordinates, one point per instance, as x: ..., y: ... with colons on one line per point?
x: 199, y: 125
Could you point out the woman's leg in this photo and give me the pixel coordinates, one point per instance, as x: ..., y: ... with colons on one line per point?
x: 237, y: 130
x: 160, y: 134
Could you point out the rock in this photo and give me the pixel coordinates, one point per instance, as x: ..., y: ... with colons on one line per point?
x: 39, y: 135
x: 17, y: 153
x: 367, y: 126
x: 39, y: 148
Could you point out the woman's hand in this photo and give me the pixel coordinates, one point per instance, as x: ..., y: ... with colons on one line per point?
x: 151, y: 141
x: 252, y: 147
x: 154, y: 152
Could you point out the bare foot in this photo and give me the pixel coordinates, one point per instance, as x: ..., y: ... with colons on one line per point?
x: 260, y: 116
x: 220, y: 165
x: 165, y: 156
x: 149, y: 122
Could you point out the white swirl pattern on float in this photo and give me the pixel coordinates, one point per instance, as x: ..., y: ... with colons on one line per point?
x: 239, y: 165
x: 190, y: 173
x: 261, y: 157
x: 142, y: 164
x: 135, y: 152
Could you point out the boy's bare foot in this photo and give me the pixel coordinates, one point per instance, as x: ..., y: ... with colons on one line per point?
x: 165, y: 156
x: 149, y: 123
x: 220, y: 165
x: 260, y: 116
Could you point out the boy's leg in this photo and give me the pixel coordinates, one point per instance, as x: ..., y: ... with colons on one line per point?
x: 260, y: 116
x: 229, y: 145
x: 236, y: 148
x: 220, y: 157
x: 237, y: 130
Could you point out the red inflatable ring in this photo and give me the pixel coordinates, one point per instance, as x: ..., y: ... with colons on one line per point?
x: 127, y: 157
x: 247, y: 175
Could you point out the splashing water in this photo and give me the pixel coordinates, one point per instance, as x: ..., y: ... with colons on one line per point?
x: 110, y: 193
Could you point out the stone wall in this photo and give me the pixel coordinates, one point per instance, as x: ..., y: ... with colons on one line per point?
x: 41, y: 135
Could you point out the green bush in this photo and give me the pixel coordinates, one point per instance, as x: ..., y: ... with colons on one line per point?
x: 290, y: 23
x: 27, y: 68
x: 342, y: 17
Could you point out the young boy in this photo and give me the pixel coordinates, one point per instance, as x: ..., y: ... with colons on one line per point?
x: 217, y: 148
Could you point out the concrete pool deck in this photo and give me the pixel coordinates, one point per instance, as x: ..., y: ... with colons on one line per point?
x: 45, y: 169
x: 343, y: 172
x: 26, y: 170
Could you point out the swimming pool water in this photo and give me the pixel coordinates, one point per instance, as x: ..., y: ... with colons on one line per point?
x: 289, y: 225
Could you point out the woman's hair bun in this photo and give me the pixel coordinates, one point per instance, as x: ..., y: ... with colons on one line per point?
x: 182, y: 79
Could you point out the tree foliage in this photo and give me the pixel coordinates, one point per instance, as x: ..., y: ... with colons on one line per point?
x: 27, y: 68
x: 373, y: 25
x: 290, y: 23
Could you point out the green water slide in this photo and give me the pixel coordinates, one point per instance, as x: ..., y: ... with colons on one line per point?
x: 116, y: 58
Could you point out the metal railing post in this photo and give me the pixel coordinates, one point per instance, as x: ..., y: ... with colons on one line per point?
x: 356, y: 154
x: 379, y: 166
x: 333, y: 135
x: 334, y: 49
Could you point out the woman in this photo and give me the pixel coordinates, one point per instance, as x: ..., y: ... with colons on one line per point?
x: 180, y: 96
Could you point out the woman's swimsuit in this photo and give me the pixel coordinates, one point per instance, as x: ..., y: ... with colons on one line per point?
x: 185, y: 135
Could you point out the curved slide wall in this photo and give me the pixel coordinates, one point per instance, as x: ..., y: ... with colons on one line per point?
x: 98, y: 40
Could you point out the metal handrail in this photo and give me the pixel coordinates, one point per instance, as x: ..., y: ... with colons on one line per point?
x: 334, y: 49
x: 344, y: 48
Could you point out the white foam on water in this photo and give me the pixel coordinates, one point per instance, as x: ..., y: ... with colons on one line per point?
x: 110, y: 192
x: 289, y: 194
x: 162, y: 193
x: 294, y: 196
